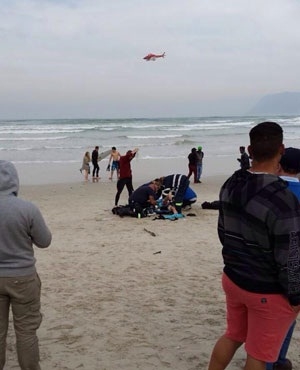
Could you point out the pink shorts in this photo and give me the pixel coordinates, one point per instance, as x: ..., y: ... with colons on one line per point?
x: 261, y: 321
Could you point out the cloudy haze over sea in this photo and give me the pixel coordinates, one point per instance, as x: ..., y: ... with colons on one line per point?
x: 84, y: 59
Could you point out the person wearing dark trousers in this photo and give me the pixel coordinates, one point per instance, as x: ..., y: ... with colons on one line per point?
x: 96, y: 167
x: 125, y: 178
x: 200, y: 155
x: 192, y: 157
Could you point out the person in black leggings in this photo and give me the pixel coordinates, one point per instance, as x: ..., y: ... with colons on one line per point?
x: 125, y: 178
x: 96, y: 167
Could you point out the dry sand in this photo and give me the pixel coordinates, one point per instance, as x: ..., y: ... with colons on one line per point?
x: 110, y: 301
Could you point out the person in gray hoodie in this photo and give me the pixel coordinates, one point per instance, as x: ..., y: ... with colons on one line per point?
x: 21, y: 226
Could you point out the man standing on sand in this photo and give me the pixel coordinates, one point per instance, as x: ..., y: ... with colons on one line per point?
x: 96, y: 168
x: 114, y: 166
x: 21, y: 226
x: 244, y: 160
x: 259, y: 228
x: 200, y: 155
x: 193, y: 160
x: 125, y: 178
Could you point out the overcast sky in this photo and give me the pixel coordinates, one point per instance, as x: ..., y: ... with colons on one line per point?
x: 84, y: 58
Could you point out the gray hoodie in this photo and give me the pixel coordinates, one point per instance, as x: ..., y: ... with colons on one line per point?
x: 21, y: 226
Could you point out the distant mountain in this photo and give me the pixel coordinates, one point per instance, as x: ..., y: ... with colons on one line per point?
x: 286, y: 103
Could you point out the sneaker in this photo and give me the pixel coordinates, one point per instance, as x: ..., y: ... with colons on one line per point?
x: 287, y: 365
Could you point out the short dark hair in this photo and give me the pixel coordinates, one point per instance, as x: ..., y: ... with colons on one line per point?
x: 113, y: 148
x: 265, y: 140
x: 290, y: 161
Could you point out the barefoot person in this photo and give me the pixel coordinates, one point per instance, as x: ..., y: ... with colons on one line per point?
x: 113, y: 163
x: 258, y: 227
x: 96, y: 168
x: 85, y: 168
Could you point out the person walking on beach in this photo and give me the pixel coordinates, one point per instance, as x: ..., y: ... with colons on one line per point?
x: 21, y: 226
x: 125, y: 178
x: 193, y: 160
x: 259, y: 228
x: 244, y: 160
x: 113, y: 164
x: 96, y: 168
x: 200, y: 155
x: 86, y: 165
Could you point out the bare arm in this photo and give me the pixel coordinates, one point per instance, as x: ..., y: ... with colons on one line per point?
x: 152, y: 200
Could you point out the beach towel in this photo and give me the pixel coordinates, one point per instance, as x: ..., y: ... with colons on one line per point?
x: 171, y: 217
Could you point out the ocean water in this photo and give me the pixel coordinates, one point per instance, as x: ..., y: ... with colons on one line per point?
x: 32, y: 142
x: 40, y: 141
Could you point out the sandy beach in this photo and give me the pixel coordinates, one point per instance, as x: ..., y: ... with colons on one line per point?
x: 126, y: 293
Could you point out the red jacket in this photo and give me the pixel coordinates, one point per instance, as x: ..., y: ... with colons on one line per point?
x: 125, y: 167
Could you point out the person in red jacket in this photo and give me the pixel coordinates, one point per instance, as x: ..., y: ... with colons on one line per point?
x: 125, y: 178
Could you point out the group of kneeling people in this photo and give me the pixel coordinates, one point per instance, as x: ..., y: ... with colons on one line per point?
x: 164, y: 195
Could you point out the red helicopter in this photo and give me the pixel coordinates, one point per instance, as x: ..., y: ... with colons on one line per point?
x: 154, y: 56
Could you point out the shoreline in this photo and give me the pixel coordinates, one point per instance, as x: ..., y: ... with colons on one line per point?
x: 143, y: 170
x: 104, y: 192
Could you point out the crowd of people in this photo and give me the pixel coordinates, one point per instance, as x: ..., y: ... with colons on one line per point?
x: 174, y: 189
x: 95, y: 158
x: 195, y: 164
x: 258, y: 227
x: 167, y: 194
